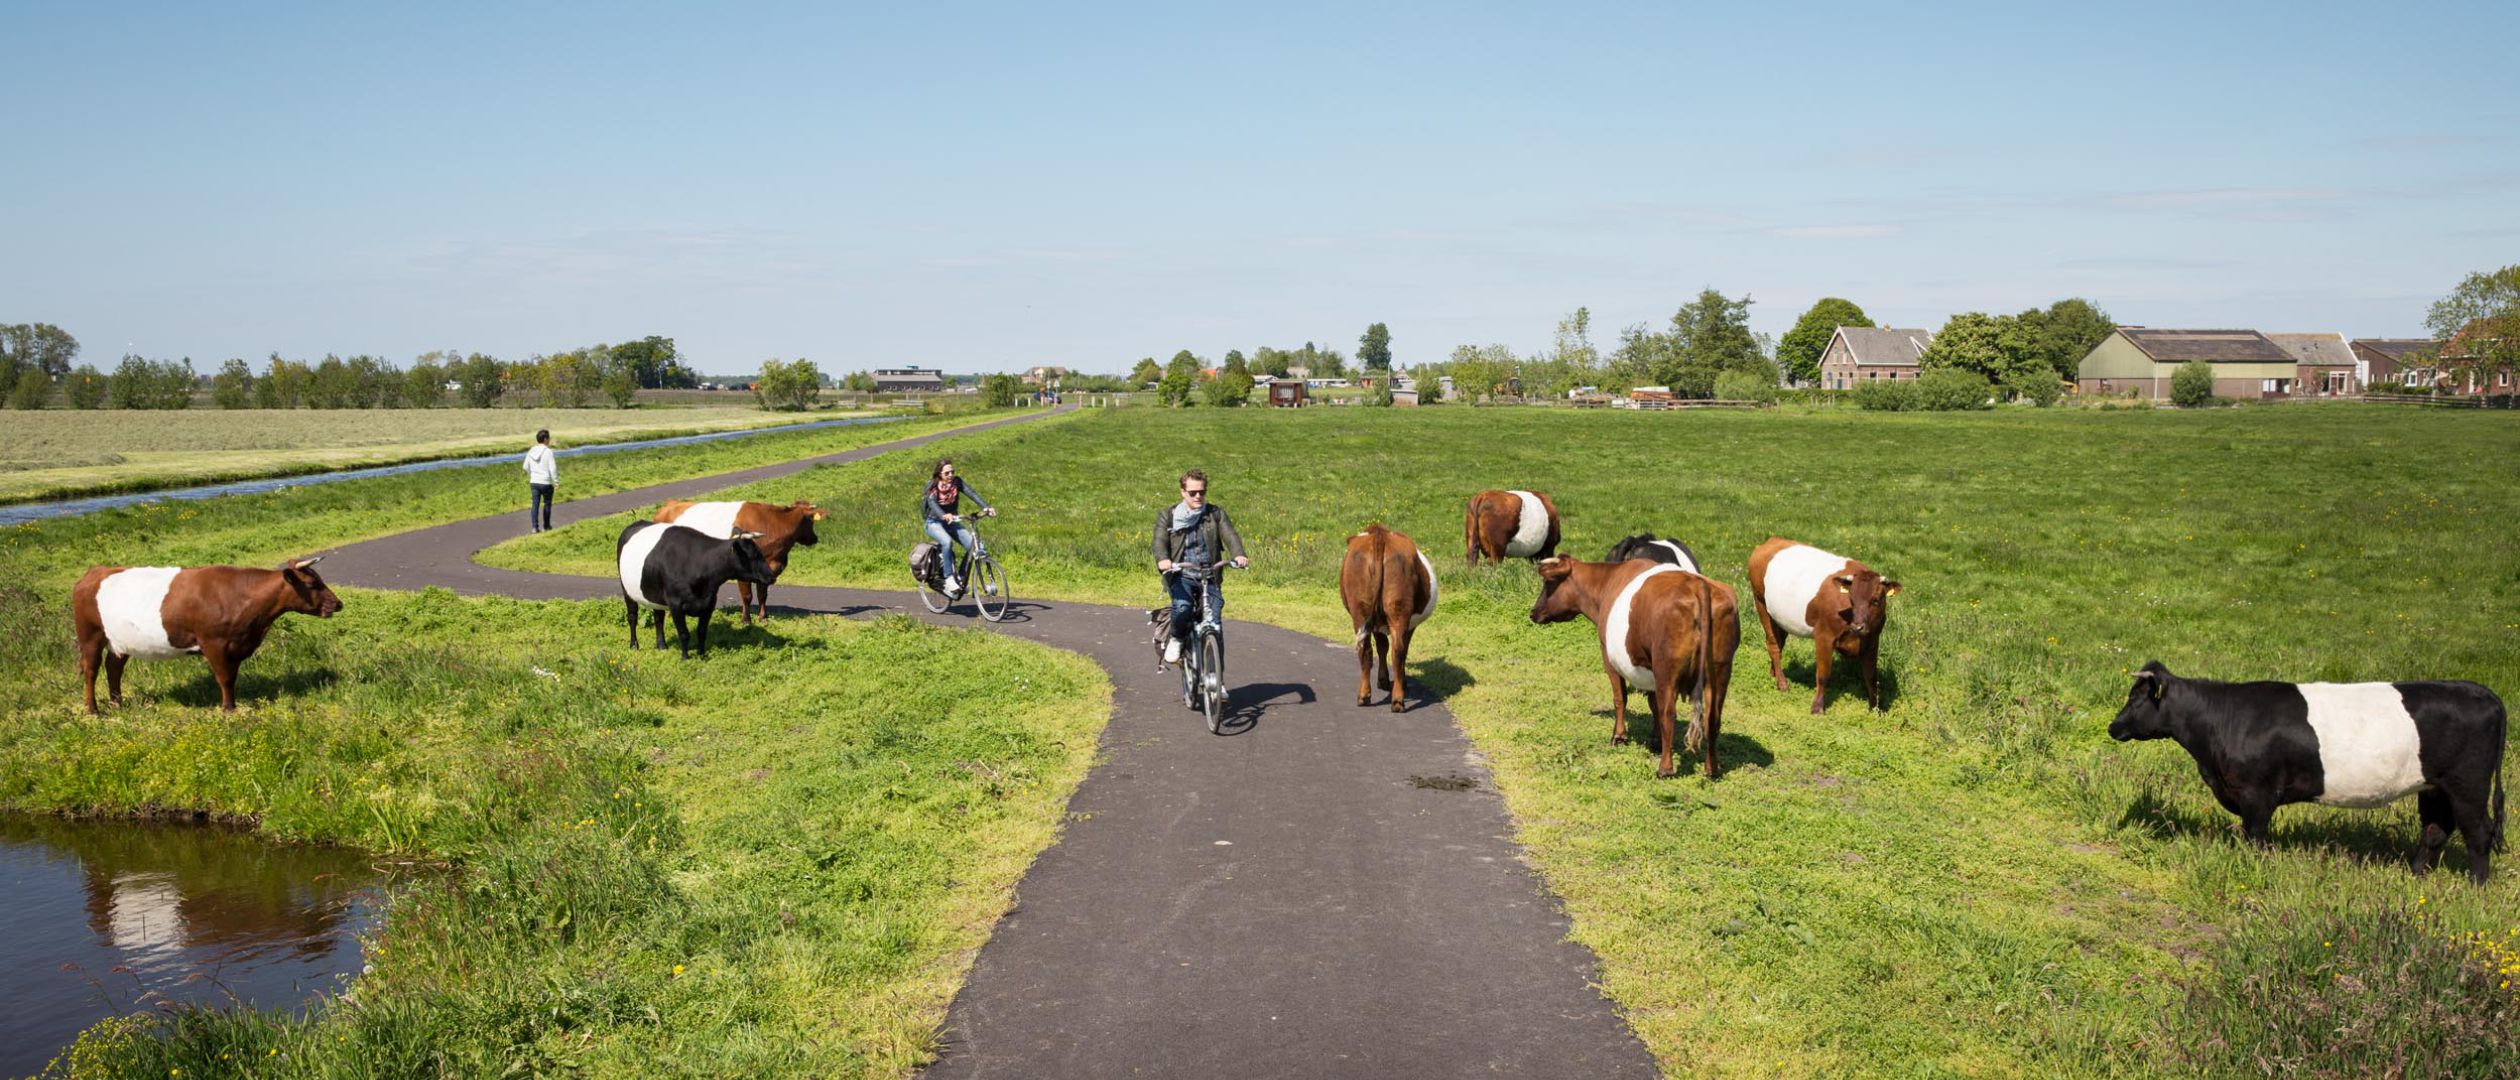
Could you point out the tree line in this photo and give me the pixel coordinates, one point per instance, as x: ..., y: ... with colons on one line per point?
x: 35, y: 365
x: 1185, y: 380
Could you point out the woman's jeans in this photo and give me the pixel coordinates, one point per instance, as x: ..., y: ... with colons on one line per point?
x: 945, y: 547
x: 541, y: 507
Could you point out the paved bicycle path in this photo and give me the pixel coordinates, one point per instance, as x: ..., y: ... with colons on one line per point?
x: 1291, y: 901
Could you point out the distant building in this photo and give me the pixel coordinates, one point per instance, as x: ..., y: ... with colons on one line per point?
x: 2246, y: 364
x: 2323, y: 364
x: 2385, y: 361
x: 909, y: 380
x: 1286, y: 393
x: 1860, y: 354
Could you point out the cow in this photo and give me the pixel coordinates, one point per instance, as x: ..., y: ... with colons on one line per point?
x: 2261, y: 745
x: 1510, y: 524
x: 218, y: 612
x: 1659, y: 624
x: 1645, y: 546
x: 778, y: 528
x: 1388, y: 588
x: 680, y: 569
x: 1840, y: 604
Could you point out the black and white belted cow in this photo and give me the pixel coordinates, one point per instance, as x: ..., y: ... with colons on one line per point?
x: 1651, y: 548
x: 670, y: 568
x: 2261, y: 745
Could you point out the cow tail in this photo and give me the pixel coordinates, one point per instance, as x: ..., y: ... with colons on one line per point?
x: 1372, y: 582
x: 1470, y: 529
x: 2498, y: 788
x: 1706, y: 650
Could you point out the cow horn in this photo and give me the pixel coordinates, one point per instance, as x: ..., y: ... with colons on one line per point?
x: 747, y: 536
x: 304, y: 563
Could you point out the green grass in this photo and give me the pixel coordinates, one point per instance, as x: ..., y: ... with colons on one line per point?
x: 1976, y: 882
x: 776, y: 861
x: 55, y: 453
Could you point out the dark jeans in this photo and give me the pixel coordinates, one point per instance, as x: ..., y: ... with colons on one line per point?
x: 541, y: 507
x: 1182, y: 590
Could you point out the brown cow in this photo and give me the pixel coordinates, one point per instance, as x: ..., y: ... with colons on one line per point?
x: 1659, y: 624
x: 1840, y: 604
x: 1388, y: 588
x: 781, y: 527
x: 1515, y: 524
x: 220, y: 612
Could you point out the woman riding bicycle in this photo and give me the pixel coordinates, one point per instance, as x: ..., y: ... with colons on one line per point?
x: 940, y: 510
x: 1193, y: 533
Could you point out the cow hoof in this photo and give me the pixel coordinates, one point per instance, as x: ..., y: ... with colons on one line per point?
x: 1363, y: 700
x: 1780, y: 683
x: 1665, y: 774
x: 1398, y: 706
x: 1818, y: 709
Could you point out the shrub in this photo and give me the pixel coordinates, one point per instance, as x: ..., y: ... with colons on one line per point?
x: 480, y: 380
x: 1885, y: 395
x: 2040, y: 390
x: 140, y: 383
x: 86, y: 387
x: 424, y: 385
x: 788, y: 386
x: 1952, y: 390
x: 998, y: 391
x: 233, y: 386
x: 2193, y: 385
x: 1744, y: 386
x: 621, y: 383
x: 34, y: 390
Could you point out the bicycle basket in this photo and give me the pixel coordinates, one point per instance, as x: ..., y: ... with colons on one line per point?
x: 924, y: 561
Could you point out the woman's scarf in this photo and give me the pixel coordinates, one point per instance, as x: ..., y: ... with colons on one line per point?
x: 948, y: 492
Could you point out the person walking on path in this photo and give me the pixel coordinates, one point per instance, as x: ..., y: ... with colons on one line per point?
x: 1192, y: 533
x: 542, y: 473
x: 940, y: 512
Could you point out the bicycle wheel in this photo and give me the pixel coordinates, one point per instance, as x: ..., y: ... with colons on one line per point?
x: 1212, y: 680
x: 930, y: 594
x: 1189, y: 680
x: 991, y: 581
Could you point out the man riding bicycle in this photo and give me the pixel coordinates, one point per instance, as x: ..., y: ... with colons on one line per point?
x: 940, y: 510
x: 1192, y: 533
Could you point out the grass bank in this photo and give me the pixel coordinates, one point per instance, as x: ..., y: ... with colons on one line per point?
x: 778, y: 861
x: 1976, y: 882
x: 53, y: 454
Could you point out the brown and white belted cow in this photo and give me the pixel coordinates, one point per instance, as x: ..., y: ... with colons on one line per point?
x: 218, y: 612
x: 1388, y: 588
x: 780, y: 528
x: 1840, y: 604
x: 1510, y: 524
x: 1659, y: 625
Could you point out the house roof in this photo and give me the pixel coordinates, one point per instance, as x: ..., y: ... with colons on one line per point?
x: 2211, y: 346
x: 2322, y: 350
x: 1884, y: 347
x: 2395, y: 348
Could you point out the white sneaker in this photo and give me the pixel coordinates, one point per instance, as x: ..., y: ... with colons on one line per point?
x: 952, y: 586
x: 1172, y: 650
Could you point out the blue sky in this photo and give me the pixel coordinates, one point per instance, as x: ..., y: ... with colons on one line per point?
x: 993, y: 187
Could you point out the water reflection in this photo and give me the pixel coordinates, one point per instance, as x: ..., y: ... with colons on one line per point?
x: 103, y: 918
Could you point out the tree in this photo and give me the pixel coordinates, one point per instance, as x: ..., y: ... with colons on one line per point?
x: 2192, y: 385
x: 862, y: 382
x: 86, y: 387
x: 2477, y: 326
x: 141, y: 383
x: 33, y: 390
x: 329, y: 384
x: 1743, y: 386
x: 1181, y: 379
x: 1483, y: 371
x: 424, y: 382
x: 621, y: 382
x: 1799, y: 351
x: 2067, y: 331
x: 479, y: 381
x: 654, y: 364
x: 233, y: 386
x: 283, y: 385
x: 1951, y: 390
x: 1145, y: 374
x: 788, y: 386
x: 1374, y: 349
x: 373, y: 383
x: 34, y: 348
x: 1993, y: 346
x: 999, y: 391
x: 1232, y: 385
x: 1270, y: 362
x: 1709, y: 336
x: 2035, y: 385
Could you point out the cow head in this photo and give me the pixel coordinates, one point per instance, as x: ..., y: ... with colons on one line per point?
x: 1863, y: 599
x: 307, y: 594
x: 1561, y: 598
x: 749, y: 563
x: 1631, y: 548
x: 806, y: 515
x: 2146, y: 716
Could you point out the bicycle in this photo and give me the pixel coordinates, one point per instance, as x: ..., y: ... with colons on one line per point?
x: 975, y: 568
x: 1203, y: 663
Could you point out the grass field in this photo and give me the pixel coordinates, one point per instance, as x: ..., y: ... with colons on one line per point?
x: 56, y: 453
x: 774, y: 862
x: 1976, y: 882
